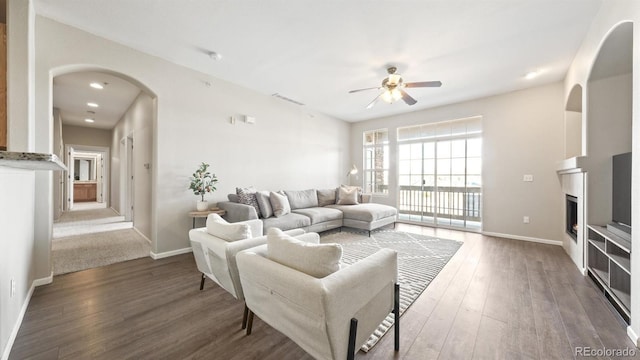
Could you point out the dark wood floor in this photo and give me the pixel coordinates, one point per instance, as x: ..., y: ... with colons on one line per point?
x: 495, y: 299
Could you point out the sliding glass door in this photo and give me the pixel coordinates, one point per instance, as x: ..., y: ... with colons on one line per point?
x: 440, y: 178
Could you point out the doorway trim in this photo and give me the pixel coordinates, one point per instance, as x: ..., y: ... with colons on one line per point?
x: 69, y: 151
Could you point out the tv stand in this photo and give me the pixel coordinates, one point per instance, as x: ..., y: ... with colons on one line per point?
x: 609, y: 266
x: 621, y: 230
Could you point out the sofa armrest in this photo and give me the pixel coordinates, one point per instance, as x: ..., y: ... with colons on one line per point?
x: 237, y: 212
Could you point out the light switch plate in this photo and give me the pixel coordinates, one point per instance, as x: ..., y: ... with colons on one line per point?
x: 527, y: 178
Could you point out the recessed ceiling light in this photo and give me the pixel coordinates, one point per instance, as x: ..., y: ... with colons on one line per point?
x: 89, y: 120
x: 92, y: 104
x: 215, y: 56
x: 96, y: 85
x: 531, y: 74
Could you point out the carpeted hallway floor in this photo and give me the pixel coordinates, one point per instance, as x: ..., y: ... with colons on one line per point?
x: 93, y: 238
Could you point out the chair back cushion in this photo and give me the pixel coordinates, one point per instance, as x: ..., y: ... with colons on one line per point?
x: 317, y: 260
x: 220, y: 228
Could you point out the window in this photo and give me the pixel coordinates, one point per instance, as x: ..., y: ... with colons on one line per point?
x: 440, y: 173
x: 376, y: 161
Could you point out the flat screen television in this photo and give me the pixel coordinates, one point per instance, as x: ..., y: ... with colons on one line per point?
x: 621, y: 205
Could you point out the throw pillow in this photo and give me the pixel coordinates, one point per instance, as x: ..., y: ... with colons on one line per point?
x: 264, y: 203
x: 347, y: 195
x: 247, y: 196
x: 317, y: 260
x: 279, y: 203
x: 219, y: 227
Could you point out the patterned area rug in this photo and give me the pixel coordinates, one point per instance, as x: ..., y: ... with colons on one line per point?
x: 420, y: 259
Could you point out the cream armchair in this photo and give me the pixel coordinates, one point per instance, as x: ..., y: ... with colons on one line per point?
x: 215, y: 249
x: 329, y: 317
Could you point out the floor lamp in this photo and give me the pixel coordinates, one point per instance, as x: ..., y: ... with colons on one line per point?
x: 353, y: 171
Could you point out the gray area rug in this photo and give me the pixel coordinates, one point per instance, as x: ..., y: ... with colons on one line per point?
x: 420, y: 259
x: 81, y: 252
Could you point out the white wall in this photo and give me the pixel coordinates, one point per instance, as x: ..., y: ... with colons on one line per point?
x: 16, y: 222
x: 80, y: 135
x: 137, y: 122
x: 58, y: 176
x: 608, y: 124
x: 523, y: 133
x: 287, y: 148
x: 611, y: 14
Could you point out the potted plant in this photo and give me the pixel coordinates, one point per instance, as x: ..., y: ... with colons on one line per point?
x: 203, y: 182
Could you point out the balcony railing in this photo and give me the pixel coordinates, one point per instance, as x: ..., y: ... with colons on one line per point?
x: 460, y: 203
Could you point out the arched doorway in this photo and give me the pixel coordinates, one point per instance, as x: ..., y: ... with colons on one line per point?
x: 99, y: 109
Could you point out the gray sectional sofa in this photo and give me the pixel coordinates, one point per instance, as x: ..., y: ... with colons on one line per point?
x: 313, y: 210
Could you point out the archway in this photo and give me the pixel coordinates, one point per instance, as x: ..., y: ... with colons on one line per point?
x: 573, y: 123
x: 130, y: 116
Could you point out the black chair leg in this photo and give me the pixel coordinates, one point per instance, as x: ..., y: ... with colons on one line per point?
x: 244, y: 316
x: 202, y: 282
x: 353, y: 329
x: 250, y: 322
x: 396, y: 312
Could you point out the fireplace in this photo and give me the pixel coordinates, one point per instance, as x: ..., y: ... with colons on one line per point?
x: 572, y: 217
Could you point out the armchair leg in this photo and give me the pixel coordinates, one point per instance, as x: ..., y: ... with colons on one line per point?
x: 244, y: 316
x: 250, y: 322
x: 396, y: 312
x: 353, y: 329
x: 202, y: 281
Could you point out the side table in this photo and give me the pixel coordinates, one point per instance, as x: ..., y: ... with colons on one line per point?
x: 203, y: 214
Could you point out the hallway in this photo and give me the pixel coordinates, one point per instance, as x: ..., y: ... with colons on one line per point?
x: 92, y: 238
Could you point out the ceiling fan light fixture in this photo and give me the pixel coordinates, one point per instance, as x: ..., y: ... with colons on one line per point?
x: 391, y: 95
x: 394, y: 79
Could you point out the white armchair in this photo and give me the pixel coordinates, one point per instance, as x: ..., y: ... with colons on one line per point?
x: 328, y: 317
x: 215, y: 253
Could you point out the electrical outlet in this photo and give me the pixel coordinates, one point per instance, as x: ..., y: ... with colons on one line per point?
x: 527, y: 178
x: 13, y: 288
x: 525, y: 219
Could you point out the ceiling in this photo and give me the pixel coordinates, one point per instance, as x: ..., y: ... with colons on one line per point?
x: 314, y: 52
x: 72, y: 92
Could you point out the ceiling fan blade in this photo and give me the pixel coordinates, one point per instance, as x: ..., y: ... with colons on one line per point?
x: 407, y: 98
x: 358, y: 90
x: 423, y: 84
x: 374, y: 101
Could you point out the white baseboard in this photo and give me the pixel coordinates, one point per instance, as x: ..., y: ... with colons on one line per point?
x: 23, y: 310
x: 524, y: 238
x: 167, y: 254
x: 632, y: 335
x: 44, y: 281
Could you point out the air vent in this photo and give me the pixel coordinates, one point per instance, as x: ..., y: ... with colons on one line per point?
x: 287, y: 99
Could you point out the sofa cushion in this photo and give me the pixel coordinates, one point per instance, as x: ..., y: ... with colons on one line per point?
x: 347, y: 195
x: 326, y: 197
x: 287, y: 222
x: 218, y: 227
x: 317, y: 260
x: 247, y: 196
x: 279, y: 203
x: 264, y: 203
x: 302, y: 199
x: 320, y: 214
x: 366, y: 212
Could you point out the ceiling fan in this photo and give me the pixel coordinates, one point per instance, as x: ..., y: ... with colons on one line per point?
x: 394, y: 88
